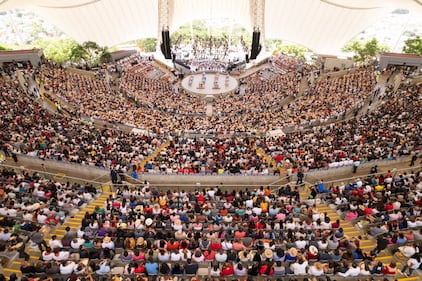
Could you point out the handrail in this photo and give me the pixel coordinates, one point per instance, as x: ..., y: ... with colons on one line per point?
x: 394, y: 171
x: 98, y: 185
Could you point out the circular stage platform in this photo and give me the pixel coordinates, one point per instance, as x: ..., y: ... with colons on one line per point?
x: 209, y: 84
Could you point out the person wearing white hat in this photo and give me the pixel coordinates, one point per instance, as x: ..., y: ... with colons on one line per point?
x: 148, y: 222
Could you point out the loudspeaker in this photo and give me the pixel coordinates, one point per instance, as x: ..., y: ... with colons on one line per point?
x: 256, y: 47
x: 247, y: 58
x: 165, y: 44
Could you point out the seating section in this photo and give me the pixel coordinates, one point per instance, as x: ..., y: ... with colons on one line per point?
x: 240, y: 233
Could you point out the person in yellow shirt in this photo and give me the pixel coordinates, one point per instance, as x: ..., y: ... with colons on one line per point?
x: 264, y: 206
x: 379, y: 188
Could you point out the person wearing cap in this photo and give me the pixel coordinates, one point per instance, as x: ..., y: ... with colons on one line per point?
x: 312, y: 253
x: 267, y: 255
x: 291, y: 254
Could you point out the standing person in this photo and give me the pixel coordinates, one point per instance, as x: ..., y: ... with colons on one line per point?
x: 300, y: 176
x: 413, y: 263
x: 113, y: 176
x: 413, y: 159
x: 14, y: 157
x: 38, y: 238
x: 356, y: 163
x: 382, y: 243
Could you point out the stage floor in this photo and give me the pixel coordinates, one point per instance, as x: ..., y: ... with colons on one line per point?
x: 209, y: 84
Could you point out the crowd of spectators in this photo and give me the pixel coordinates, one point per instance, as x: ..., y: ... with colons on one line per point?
x: 376, y: 135
x: 209, y: 156
x: 228, y: 234
x: 29, y: 129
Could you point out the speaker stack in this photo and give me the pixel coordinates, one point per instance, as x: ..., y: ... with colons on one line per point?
x: 256, y: 47
x: 165, y: 44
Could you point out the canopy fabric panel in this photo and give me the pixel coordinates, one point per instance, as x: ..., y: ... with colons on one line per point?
x: 187, y: 10
x: 323, y: 26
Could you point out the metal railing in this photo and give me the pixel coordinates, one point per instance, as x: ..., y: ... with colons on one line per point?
x: 60, y: 177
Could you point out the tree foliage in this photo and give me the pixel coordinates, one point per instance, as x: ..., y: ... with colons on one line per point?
x: 413, y: 46
x: 89, y: 53
x: 293, y: 50
x: 3, y: 48
x: 57, y: 50
x: 147, y: 45
x: 199, y: 31
x: 365, y: 50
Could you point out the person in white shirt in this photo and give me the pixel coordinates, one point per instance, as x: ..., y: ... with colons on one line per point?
x: 75, y: 243
x: 4, y: 234
x: 353, y: 271
x: 12, y: 212
x: 41, y: 218
x: 221, y: 256
x: 107, y: 243
x: 317, y: 269
x: 301, y: 244
x: 175, y: 256
x: 54, y: 243
x: 226, y: 245
x: 413, y: 263
x: 27, y: 216
x: 299, y: 267
x: 60, y: 255
x: 67, y: 267
x: 47, y: 255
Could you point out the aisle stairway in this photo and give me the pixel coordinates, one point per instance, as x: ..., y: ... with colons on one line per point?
x: 154, y: 154
x: 73, y: 222
x: 269, y: 160
x: 366, y: 244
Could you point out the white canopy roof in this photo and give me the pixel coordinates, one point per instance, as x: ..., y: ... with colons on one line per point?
x: 324, y: 26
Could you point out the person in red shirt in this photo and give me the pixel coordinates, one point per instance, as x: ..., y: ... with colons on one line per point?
x: 216, y: 245
x: 390, y: 269
x: 209, y: 255
x: 389, y: 206
x: 228, y: 269
x: 266, y: 269
x: 172, y: 245
x: 140, y: 269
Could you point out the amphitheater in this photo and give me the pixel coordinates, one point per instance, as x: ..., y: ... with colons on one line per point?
x: 279, y: 171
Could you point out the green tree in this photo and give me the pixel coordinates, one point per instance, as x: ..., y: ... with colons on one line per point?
x: 147, y: 45
x: 365, y: 50
x: 296, y: 51
x: 413, y: 46
x: 90, y: 53
x: 3, y: 48
x: 272, y: 44
x: 57, y: 50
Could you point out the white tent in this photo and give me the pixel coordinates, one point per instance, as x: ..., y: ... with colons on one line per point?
x: 324, y: 26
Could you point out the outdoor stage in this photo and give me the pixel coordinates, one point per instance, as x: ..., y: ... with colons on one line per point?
x: 209, y: 84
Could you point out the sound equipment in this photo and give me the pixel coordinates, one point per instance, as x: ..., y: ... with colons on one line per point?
x: 247, y: 58
x: 256, y: 47
x: 165, y: 44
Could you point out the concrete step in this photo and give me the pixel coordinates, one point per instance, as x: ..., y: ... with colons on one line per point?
x: 383, y: 258
x: 9, y: 271
x: 411, y: 278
